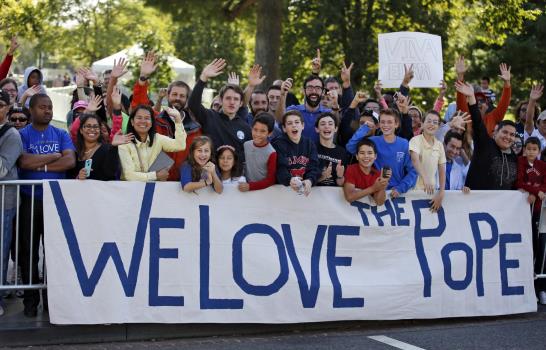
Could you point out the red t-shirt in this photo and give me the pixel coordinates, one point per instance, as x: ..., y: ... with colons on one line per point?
x: 357, y: 177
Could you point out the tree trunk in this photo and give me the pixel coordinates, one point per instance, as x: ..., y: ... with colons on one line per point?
x: 269, y: 17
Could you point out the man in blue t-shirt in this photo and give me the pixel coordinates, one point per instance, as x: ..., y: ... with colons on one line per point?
x: 313, y: 88
x: 47, y: 153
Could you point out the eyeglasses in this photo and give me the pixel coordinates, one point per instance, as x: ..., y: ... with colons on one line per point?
x: 95, y: 127
x: 314, y: 88
x: 21, y: 120
x: 12, y: 91
x: 433, y: 122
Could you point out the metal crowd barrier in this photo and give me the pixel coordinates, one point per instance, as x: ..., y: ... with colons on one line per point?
x: 15, y: 257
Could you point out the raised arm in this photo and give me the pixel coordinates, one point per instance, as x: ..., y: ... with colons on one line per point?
x: 460, y: 69
x: 255, y: 78
x: 119, y: 69
x: 534, y: 96
x: 281, y: 106
x: 212, y: 70
x: 498, y: 113
x: 347, y: 94
x: 6, y: 63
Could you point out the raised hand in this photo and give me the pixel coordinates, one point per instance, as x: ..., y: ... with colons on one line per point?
x: 408, y: 74
x: 443, y: 88
x: 340, y: 170
x: 359, y: 98
x: 148, y: 65
x: 459, y: 121
x: 327, y: 172
x: 316, y: 64
x: 94, y: 104
x: 460, y: 66
x: 174, y: 113
x: 80, y: 80
x: 233, y: 78
x: 213, y: 69
x: 162, y: 93
x: 346, y: 74
x: 120, y: 68
x: 464, y: 88
x: 255, y: 77
x: 536, y: 92
x: 377, y: 88
x: 403, y: 103
x: 13, y: 45
x: 122, y: 139
x: 333, y: 98
x: 504, y: 72
x: 31, y: 91
x: 89, y: 74
x: 116, y: 98
x: 286, y: 86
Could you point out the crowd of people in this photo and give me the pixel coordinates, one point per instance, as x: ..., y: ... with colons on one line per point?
x: 253, y: 138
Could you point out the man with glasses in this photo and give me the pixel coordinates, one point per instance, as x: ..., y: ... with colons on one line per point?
x: 10, y: 86
x: 10, y: 149
x: 313, y: 89
x: 494, y: 163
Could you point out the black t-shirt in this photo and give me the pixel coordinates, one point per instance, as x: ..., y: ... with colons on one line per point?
x: 331, y: 155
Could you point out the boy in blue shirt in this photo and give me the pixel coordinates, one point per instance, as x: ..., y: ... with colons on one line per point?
x: 47, y: 153
x: 392, y: 152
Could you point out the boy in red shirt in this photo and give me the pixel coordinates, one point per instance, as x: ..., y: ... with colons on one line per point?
x: 363, y: 178
x: 532, y: 179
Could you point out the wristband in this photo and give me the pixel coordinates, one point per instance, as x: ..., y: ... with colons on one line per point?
x: 45, y: 168
x: 206, y: 184
x: 143, y: 78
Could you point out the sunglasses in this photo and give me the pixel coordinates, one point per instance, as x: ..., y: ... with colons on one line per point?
x: 18, y: 119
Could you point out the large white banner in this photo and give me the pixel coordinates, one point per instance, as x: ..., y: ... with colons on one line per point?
x: 120, y: 252
x: 402, y: 50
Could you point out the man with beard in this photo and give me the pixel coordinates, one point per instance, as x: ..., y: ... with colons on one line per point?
x: 177, y: 97
x: 258, y: 103
x: 313, y: 89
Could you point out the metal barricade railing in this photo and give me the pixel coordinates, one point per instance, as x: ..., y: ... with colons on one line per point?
x: 10, y: 209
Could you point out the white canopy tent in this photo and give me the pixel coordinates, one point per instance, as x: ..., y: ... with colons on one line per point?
x: 183, y: 70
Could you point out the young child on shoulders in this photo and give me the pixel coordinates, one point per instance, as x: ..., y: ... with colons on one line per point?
x: 363, y: 179
x: 332, y: 158
x: 429, y: 160
x: 230, y: 168
x: 297, y: 160
x: 260, y: 156
x: 199, y: 171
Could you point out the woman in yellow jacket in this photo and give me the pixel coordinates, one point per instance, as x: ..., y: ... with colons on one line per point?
x: 136, y: 157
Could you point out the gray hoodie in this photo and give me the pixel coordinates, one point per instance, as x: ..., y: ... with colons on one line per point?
x: 25, y: 86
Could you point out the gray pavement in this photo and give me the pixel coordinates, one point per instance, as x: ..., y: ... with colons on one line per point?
x: 526, y: 331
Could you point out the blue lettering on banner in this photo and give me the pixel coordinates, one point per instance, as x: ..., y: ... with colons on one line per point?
x: 334, y: 261
x: 421, y: 233
x: 448, y: 277
x: 506, y: 264
x: 237, y: 257
x: 156, y: 253
x: 308, y: 291
x: 361, y: 206
x: 109, y: 250
x: 389, y: 211
x: 206, y: 302
x: 482, y: 244
x: 399, y: 211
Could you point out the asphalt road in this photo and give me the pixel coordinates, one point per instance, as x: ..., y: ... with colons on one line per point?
x: 509, y: 332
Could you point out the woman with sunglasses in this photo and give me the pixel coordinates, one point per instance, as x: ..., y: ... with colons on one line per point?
x: 19, y: 117
x: 91, y: 148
